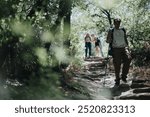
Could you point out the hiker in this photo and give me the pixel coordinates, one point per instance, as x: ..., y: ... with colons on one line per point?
x: 87, y: 40
x: 93, y: 45
x: 97, y: 46
x: 120, y: 52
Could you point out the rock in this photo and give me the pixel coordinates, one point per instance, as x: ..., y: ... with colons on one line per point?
x: 124, y: 87
x: 142, y: 90
x: 97, y: 64
x: 117, y: 90
x: 93, y: 59
x: 98, y: 82
x: 139, y: 85
x: 139, y: 80
x: 88, y: 77
x: 140, y: 96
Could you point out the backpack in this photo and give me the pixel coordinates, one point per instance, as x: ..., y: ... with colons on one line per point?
x: 110, y: 45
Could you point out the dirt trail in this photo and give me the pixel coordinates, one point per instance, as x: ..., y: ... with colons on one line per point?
x: 99, y: 83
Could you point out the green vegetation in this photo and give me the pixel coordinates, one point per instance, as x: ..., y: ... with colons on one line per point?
x: 40, y: 38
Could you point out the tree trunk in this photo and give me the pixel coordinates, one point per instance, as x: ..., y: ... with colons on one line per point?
x: 108, y: 16
x: 67, y: 22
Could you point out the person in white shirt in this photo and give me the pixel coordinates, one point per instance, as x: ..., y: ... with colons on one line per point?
x: 118, y: 39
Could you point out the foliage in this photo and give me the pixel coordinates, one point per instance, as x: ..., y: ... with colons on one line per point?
x: 47, y: 87
x: 134, y: 16
x: 26, y: 32
x: 39, y: 37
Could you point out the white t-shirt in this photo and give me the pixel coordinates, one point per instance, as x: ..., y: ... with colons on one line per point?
x: 118, y: 38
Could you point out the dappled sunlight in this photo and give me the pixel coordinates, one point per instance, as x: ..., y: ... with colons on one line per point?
x: 44, y: 47
x: 61, y: 54
x: 103, y: 93
x: 47, y: 37
x: 23, y: 29
x: 108, y: 4
x: 81, y: 19
x: 42, y: 56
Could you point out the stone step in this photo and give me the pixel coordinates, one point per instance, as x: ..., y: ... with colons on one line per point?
x: 139, y: 85
x: 140, y: 96
x: 140, y: 80
x: 142, y: 90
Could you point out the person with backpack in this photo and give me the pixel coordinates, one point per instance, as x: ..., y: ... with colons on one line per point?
x: 118, y: 43
x: 88, y: 45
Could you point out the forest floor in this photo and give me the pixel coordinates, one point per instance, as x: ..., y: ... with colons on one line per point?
x: 95, y: 80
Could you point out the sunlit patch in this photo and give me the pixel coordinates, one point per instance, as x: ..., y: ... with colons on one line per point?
x: 61, y: 54
x: 42, y: 56
x: 47, y: 37
x: 23, y: 29
x: 108, y: 4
